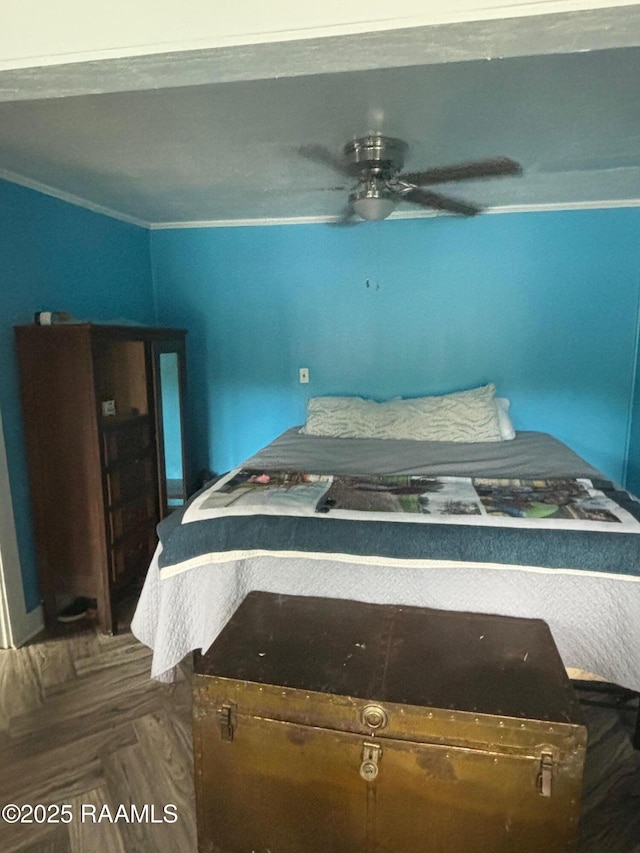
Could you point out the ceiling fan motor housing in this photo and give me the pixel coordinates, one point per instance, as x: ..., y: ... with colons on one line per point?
x: 375, y: 155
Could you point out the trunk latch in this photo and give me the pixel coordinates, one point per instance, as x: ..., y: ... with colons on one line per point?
x: 374, y: 716
x: 546, y: 774
x: 371, y: 753
x: 226, y: 720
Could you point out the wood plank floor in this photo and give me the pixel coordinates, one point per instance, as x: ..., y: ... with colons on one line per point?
x: 81, y: 723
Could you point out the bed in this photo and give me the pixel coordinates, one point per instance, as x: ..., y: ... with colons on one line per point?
x: 588, y: 590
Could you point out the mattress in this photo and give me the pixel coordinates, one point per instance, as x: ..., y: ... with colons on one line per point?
x: 594, y: 616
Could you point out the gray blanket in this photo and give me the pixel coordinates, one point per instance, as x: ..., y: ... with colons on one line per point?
x: 530, y: 454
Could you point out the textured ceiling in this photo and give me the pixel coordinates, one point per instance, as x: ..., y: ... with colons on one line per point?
x: 228, y: 151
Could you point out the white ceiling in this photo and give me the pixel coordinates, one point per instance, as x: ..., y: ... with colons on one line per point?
x: 228, y: 150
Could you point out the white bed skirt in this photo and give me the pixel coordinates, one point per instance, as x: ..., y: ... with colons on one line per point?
x: 595, y: 619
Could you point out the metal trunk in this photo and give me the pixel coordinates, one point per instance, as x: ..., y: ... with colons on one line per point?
x: 328, y: 725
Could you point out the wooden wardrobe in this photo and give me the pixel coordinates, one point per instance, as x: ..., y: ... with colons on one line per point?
x: 103, y: 410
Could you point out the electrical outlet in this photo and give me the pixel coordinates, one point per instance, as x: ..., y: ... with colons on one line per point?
x: 303, y: 375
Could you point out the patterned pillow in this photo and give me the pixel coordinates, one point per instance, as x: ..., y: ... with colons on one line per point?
x: 469, y: 416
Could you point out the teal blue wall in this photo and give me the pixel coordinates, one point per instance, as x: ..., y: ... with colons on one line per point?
x: 543, y: 304
x: 56, y: 256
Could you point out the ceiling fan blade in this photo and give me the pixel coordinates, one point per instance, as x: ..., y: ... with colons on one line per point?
x: 440, y: 202
x: 495, y: 168
x: 322, y: 155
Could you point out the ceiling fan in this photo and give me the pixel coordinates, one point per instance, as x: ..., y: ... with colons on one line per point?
x: 376, y: 162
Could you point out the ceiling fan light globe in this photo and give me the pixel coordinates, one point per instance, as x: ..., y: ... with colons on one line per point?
x: 374, y: 209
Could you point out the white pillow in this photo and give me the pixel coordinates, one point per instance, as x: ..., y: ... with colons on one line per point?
x: 470, y: 416
x: 506, y: 426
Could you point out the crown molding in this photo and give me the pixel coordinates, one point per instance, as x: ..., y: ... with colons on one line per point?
x: 260, y: 222
x: 244, y: 223
x: 419, y: 214
x: 61, y: 195
x: 603, y: 204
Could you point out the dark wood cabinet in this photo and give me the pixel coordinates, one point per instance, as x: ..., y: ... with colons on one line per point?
x: 104, y: 431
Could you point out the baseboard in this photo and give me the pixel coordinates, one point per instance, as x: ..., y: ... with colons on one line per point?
x: 30, y: 625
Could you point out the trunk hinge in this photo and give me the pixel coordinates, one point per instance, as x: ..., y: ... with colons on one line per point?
x: 226, y: 718
x: 546, y: 774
